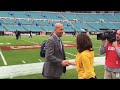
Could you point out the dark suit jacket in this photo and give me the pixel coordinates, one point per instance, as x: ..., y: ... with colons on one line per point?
x: 53, y: 58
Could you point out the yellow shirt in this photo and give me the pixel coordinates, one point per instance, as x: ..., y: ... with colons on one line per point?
x: 85, y: 64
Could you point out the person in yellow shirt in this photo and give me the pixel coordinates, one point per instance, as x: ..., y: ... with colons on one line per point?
x: 84, y: 60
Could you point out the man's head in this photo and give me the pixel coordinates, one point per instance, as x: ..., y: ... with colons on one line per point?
x: 58, y: 29
x: 118, y: 35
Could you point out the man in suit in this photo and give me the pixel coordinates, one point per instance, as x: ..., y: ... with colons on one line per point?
x: 55, y: 62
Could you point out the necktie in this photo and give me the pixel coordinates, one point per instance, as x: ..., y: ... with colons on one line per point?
x: 64, y: 68
x: 59, y: 40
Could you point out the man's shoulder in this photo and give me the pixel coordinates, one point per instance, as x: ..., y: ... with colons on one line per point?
x: 53, y: 37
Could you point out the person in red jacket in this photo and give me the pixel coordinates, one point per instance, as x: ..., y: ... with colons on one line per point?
x: 112, y: 59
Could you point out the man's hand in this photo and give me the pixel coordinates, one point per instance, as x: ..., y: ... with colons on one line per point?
x: 65, y: 63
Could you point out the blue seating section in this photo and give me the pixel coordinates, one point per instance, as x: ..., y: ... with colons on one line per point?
x: 98, y: 17
x: 19, y: 14
x: 96, y: 26
x: 111, y: 17
x: 2, y: 28
x: 33, y: 28
x: 43, y: 21
x: 86, y: 17
x: 13, y: 28
x: 71, y: 16
x: 5, y: 14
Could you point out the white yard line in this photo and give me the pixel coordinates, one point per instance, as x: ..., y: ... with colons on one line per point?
x: 67, y: 41
x: 40, y: 60
x: 68, y: 58
x: 3, y: 58
x: 23, y: 61
x: 8, y: 43
x: 29, y: 41
x: 1, y: 43
x: 70, y: 54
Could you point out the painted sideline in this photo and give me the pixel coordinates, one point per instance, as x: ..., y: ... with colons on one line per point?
x: 34, y: 68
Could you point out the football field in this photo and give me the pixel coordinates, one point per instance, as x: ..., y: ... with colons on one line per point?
x: 26, y: 50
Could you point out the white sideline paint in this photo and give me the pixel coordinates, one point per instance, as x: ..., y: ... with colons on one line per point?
x: 67, y: 41
x: 4, y: 43
x: 34, y: 68
x: 29, y: 41
x: 70, y: 54
x: 1, y: 43
x: 4, y: 61
x: 23, y: 62
x: 67, y: 58
x: 39, y: 60
x: 8, y: 43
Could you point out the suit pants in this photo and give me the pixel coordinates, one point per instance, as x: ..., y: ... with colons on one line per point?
x: 52, y: 77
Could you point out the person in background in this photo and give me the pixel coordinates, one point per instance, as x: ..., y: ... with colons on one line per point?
x: 30, y: 34
x: 17, y: 33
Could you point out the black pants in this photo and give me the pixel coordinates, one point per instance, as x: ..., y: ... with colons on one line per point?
x: 94, y: 77
x: 17, y: 37
x: 30, y: 36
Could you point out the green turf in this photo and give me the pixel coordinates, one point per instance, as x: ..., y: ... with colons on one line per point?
x: 14, y: 57
x: 25, y: 40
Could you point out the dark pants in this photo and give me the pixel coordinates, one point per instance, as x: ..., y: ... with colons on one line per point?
x: 30, y: 36
x: 52, y: 77
x: 17, y: 37
x: 94, y: 77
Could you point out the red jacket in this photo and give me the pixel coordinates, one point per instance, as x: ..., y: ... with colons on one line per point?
x: 112, y: 58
